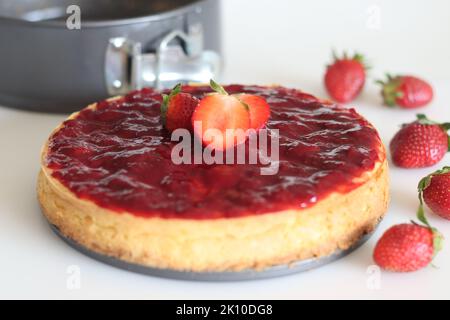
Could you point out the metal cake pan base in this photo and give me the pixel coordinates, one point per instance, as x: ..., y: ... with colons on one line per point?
x: 272, y: 272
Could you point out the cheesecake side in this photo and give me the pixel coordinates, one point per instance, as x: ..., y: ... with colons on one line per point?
x: 252, y: 242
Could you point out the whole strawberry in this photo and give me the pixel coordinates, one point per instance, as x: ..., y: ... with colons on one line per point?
x: 345, y: 78
x: 406, y: 91
x: 419, y: 144
x: 407, y: 248
x: 434, y: 190
x: 177, y: 109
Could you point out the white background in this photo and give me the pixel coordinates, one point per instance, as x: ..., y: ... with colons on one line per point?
x: 286, y: 42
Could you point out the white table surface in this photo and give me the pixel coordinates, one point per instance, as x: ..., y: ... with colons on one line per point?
x: 34, y: 263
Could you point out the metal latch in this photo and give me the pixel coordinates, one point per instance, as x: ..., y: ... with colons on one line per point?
x: 179, y: 57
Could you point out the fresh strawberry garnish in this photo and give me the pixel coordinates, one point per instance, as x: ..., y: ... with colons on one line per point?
x: 230, y: 116
x: 345, y: 78
x: 406, y: 91
x: 434, y: 190
x: 258, y: 108
x: 177, y: 109
x: 422, y: 143
x: 221, y: 116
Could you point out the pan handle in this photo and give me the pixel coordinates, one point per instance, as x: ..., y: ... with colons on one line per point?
x: 128, y: 68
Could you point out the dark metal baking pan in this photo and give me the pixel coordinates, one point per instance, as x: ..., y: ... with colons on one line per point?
x: 45, y: 66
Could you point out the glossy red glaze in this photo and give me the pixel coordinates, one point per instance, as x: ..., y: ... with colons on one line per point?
x: 119, y: 156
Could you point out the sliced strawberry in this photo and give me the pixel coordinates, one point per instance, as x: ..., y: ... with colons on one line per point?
x: 221, y: 116
x: 177, y: 109
x: 259, y: 110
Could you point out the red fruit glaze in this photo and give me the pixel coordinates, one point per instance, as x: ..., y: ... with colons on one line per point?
x: 419, y: 145
x: 118, y: 156
x: 437, y: 195
x: 405, y: 248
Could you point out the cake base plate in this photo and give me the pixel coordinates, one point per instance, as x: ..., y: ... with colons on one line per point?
x: 271, y: 272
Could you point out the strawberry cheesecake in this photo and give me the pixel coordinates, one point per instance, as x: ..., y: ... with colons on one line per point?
x: 108, y: 182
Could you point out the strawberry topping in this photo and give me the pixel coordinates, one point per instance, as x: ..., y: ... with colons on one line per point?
x: 177, y: 109
x: 221, y: 120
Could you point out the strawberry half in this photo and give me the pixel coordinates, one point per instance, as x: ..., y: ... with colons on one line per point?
x: 259, y: 110
x: 406, y: 91
x: 177, y: 109
x: 345, y: 78
x: 434, y: 190
x: 225, y: 119
x: 420, y: 144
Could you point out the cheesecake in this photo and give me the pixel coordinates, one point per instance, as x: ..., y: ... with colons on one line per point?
x: 108, y: 182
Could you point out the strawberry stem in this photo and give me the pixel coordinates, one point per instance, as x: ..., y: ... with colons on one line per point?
x: 217, y: 87
x: 438, y: 241
x: 220, y: 90
x: 362, y: 59
x: 356, y: 57
x: 390, y: 89
x: 422, y: 119
x: 334, y: 54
